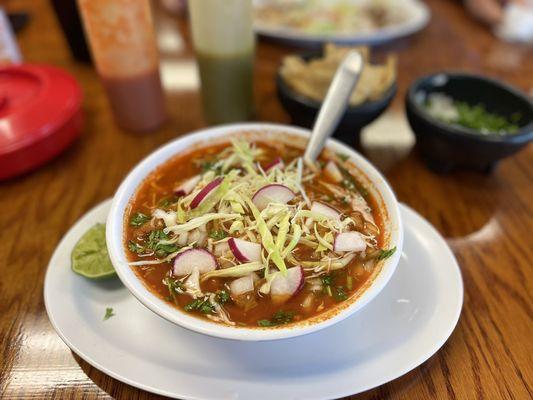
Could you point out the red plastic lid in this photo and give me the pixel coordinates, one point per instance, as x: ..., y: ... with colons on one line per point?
x: 40, y: 116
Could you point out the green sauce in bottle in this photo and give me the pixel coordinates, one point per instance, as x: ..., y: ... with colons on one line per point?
x: 224, y: 43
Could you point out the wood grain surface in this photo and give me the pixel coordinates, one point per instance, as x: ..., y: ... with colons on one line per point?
x: 487, y: 219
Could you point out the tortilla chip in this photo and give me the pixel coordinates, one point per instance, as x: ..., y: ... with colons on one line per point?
x: 312, y: 78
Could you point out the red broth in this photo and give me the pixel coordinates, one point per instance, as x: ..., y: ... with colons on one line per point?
x: 321, y: 291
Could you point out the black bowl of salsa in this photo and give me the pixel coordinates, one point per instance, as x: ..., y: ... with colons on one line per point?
x: 490, y: 121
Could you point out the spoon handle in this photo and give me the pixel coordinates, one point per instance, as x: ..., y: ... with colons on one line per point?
x: 334, y: 104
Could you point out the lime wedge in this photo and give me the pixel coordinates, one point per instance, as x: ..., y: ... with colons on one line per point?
x: 89, y: 256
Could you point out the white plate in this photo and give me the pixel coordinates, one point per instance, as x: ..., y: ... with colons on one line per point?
x: 419, y: 16
x: 400, y: 329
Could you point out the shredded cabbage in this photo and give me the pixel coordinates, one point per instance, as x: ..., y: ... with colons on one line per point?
x: 309, y: 214
x: 299, y: 181
x: 322, y: 241
x: 181, y: 214
x: 234, y: 272
x: 199, y: 221
x: 304, y: 240
x: 245, y: 154
x: 296, y: 235
x: 284, y: 227
x: 343, y: 262
x: 267, y: 239
x: 162, y: 260
x: 237, y: 207
x: 274, y: 220
x: 236, y: 226
x: 212, y: 198
x: 265, y: 287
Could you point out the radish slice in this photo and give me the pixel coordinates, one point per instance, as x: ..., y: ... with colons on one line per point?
x: 333, y: 172
x: 349, y: 241
x: 242, y: 285
x: 274, y: 193
x: 277, y: 163
x: 245, y: 251
x: 325, y: 210
x: 284, y: 287
x: 187, y: 187
x: 194, y: 258
x: 205, y: 192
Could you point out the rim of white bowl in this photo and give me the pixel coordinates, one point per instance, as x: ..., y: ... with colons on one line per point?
x: 115, y: 229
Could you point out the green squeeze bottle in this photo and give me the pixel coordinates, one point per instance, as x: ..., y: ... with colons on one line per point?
x: 224, y: 43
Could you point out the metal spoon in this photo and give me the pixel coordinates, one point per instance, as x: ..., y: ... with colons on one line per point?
x: 334, y: 105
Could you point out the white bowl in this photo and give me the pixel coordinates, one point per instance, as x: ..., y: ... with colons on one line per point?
x: 369, y: 176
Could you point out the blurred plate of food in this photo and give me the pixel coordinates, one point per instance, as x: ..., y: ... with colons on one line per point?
x: 312, y: 22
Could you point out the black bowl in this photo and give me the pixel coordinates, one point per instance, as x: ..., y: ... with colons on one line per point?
x: 446, y: 147
x: 303, y: 110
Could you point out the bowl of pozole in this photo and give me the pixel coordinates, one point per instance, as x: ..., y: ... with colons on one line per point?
x: 229, y: 233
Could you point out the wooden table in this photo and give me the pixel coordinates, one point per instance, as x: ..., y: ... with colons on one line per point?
x: 487, y: 220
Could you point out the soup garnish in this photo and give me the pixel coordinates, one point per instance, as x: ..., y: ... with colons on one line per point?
x: 89, y: 256
x: 246, y: 234
x: 475, y: 117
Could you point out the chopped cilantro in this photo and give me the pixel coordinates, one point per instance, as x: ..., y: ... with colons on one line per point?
x: 217, y: 235
x: 135, y: 247
x: 348, y: 184
x: 207, y: 166
x: 108, y: 313
x: 163, y: 250
x: 139, y: 219
x: 174, y: 286
x: 154, y: 237
x: 167, y: 201
x: 279, y: 318
x: 327, y: 280
x: 472, y: 116
x: 203, y: 306
x: 384, y: 254
x: 210, y: 165
x: 343, y: 157
x: 222, y: 297
x: 153, y: 244
x: 340, y: 294
x: 351, y: 184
